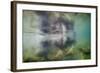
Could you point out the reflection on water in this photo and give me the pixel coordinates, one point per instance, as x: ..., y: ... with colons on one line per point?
x: 50, y: 36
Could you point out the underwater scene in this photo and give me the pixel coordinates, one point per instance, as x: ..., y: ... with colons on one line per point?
x: 55, y: 36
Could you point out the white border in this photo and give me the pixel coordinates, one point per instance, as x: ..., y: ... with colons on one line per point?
x: 34, y: 65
